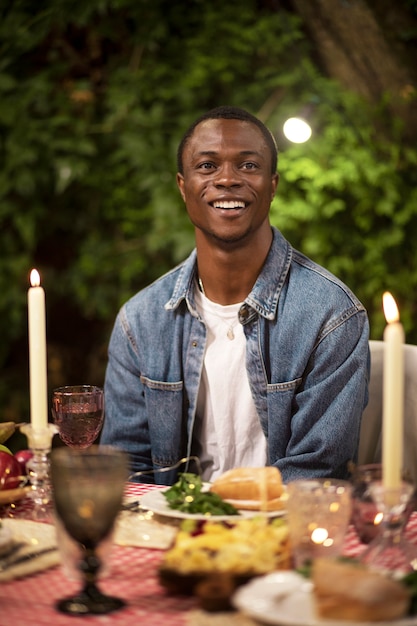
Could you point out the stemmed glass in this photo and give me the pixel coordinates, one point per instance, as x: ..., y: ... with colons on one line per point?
x: 366, y: 515
x: 78, y: 413
x: 390, y: 550
x: 88, y: 487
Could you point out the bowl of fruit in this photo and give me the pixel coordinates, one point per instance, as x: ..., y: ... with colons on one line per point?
x: 13, y: 467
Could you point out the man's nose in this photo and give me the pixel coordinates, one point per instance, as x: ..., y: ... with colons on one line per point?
x: 228, y: 176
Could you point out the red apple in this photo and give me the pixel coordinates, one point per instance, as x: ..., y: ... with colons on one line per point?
x: 10, y: 471
x: 22, y: 457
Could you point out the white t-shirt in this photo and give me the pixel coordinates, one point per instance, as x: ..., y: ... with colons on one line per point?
x: 228, y: 432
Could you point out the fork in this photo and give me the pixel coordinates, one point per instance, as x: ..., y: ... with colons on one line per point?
x: 14, y: 559
x: 11, y: 552
x: 134, y: 507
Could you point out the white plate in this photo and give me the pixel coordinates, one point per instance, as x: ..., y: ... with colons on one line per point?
x: 285, y: 599
x: 156, y: 502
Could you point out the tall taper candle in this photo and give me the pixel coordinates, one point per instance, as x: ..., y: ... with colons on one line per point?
x: 37, y: 354
x: 393, y: 396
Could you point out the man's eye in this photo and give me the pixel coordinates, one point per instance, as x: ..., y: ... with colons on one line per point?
x: 249, y: 166
x: 206, y: 166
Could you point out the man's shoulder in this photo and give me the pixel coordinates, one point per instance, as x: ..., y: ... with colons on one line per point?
x: 160, y: 287
x: 321, y: 279
x: 161, y: 290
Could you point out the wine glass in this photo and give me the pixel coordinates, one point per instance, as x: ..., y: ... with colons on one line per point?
x: 78, y: 413
x: 366, y: 515
x: 390, y: 551
x: 88, y: 486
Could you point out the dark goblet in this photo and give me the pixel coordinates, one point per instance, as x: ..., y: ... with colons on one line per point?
x: 88, y: 487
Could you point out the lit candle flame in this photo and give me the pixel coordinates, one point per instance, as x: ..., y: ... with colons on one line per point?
x: 390, y: 308
x: 35, y: 279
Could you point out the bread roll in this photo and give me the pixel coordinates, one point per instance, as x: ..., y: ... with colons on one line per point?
x: 350, y: 591
x: 252, y: 488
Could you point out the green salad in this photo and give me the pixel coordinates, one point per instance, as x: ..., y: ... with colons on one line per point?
x: 187, y: 495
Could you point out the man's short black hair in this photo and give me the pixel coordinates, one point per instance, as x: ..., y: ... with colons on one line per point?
x: 229, y: 113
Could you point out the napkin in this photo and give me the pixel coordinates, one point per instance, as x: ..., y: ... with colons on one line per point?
x: 142, y: 530
x: 36, y: 536
x: 35, y: 565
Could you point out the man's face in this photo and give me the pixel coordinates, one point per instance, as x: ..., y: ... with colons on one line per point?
x: 227, y: 184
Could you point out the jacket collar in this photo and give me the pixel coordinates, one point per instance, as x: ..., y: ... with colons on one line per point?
x: 265, y: 293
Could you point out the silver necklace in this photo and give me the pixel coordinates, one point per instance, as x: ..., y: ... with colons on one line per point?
x: 230, y: 334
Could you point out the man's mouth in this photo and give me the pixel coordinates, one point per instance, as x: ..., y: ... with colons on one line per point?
x: 229, y: 204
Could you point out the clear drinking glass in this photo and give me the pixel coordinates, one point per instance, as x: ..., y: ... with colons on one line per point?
x: 88, y: 487
x: 78, y: 413
x: 319, y: 511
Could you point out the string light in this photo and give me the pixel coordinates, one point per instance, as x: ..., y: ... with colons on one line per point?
x: 297, y: 130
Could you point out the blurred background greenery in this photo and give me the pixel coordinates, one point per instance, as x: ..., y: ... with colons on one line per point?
x: 94, y: 98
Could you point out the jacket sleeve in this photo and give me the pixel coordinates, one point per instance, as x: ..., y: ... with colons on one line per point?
x: 125, y: 424
x: 320, y: 434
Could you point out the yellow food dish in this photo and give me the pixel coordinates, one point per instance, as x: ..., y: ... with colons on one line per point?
x: 247, y: 547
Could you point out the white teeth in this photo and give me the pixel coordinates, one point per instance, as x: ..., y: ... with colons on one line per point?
x: 230, y: 204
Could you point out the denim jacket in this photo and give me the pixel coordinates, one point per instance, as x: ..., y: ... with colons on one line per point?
x: 307, y: 361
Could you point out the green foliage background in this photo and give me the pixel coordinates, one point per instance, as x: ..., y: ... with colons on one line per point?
x: 94, y: 98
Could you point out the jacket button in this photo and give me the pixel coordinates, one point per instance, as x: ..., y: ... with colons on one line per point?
x: 243, y: 313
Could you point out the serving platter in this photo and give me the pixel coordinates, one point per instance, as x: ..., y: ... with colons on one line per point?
x: 286, y: 599
x: 155, y: 501
x: 8, y: 496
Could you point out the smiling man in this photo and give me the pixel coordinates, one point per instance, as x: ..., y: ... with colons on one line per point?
x: 248, y: 353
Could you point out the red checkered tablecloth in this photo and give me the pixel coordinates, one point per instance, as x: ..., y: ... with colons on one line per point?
x: 133, y: 576
x: 354, y: 548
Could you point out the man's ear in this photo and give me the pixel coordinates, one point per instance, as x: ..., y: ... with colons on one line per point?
x: 180, y: 184
x: 275, y: 181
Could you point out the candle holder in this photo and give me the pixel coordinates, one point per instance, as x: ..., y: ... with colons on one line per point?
x: 40, y: 442
x: 390, y: 551
x: 366, y: 517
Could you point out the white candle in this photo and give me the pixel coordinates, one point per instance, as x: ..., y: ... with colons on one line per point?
x: 37, y: 354
x: 393, y: 396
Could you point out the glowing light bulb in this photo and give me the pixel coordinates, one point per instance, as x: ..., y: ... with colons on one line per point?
x: 297, y: 130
